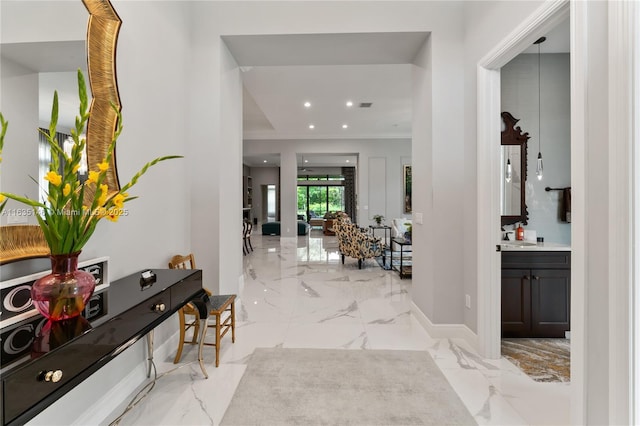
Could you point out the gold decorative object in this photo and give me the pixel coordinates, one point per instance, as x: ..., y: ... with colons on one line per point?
x: 102, y: 38
x: 27, y: 241
x: 22, y: 242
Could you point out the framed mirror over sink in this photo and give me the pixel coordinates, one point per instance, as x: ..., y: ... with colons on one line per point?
x: 513, y: 148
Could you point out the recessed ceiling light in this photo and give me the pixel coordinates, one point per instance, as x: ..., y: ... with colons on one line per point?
x: 306, y: 161
x: 311, y: 126
x: 348, y: 161
x: 264, y: 161
x: 344, y: 126
x: 349, y: 103
x: 307, y: 104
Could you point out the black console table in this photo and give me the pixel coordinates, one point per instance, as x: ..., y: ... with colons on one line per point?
x: 74, y: 350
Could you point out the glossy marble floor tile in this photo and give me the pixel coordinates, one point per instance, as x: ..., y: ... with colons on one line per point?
x: 301, y: 296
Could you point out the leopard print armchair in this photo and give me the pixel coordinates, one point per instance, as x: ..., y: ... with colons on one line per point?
x: 355, y: 242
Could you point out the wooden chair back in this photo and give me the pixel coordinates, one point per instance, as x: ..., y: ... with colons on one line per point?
x: 182, y: 262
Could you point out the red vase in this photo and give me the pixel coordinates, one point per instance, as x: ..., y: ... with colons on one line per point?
x: 65, y: 291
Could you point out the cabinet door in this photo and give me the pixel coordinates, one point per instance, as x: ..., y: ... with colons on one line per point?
x: 516, y: 303
x: 550, y: 302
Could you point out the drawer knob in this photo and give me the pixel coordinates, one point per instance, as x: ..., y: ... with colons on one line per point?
x: 159, y: 307
x: 53, y: 376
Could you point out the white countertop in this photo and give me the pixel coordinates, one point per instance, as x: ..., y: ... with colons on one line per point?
x: 531, y: 246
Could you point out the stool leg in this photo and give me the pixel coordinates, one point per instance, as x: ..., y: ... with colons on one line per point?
x: 181, y: 343
x: 233, y: 322
x: 218, y: 339
x: 196, y: 328
x: 200, y: 359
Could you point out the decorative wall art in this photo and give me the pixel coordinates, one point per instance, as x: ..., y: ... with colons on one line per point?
x: 406, y: 183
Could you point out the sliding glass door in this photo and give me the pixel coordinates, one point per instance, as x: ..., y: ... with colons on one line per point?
x: 316, y: 200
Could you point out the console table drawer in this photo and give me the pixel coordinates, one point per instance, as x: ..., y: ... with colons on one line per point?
x: 26, y: 388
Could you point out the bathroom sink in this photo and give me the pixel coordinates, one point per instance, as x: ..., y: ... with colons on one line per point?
x: 520, y: 244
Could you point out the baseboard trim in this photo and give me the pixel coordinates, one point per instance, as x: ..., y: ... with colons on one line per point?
x: 445, y: 331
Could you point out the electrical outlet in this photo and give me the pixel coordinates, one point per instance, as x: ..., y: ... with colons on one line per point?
x: 467, y: 301
x: 15, y: 219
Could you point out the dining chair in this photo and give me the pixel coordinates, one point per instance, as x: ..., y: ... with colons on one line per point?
x: 186, y: 262
x: 247, y: 228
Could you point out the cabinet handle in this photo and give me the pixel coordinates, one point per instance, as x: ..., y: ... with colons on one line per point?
x: 50, y: 376
x: 535, y: 277
x: 159, y: 307
x: 526, y: 277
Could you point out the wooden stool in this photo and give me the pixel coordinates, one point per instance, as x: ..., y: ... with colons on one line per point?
x: 212, y: 306
x: 219, y: 305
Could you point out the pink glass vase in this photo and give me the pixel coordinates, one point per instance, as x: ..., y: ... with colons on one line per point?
x: 65, y: 291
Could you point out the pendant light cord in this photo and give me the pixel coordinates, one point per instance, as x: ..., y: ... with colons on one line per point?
x: 539, y: 98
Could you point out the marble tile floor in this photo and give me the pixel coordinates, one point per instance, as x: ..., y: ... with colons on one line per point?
x: 301, y: 296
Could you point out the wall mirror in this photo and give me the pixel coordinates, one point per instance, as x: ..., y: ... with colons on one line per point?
x: 514, y: 157
x: 19, y: 242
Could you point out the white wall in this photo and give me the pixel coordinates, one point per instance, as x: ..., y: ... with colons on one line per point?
x: 519, y: 88
x: 486, y: 24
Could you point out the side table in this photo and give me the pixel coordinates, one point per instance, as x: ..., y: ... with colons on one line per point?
x: 386, y: 231
x: 403, y: 269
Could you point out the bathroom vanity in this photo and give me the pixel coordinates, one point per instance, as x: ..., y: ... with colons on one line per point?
x: 536, y: 289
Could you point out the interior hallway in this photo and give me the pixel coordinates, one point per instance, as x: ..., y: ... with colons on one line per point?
x: 303, y: 297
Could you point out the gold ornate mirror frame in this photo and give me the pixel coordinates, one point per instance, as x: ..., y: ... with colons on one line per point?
x: 27, y: 241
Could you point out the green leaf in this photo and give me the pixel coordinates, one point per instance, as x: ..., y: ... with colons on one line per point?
x: 54, y: 114
x: 82, y: 93
x: 23, y: 200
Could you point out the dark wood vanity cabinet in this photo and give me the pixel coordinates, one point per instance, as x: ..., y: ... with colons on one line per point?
x: 536, y: 293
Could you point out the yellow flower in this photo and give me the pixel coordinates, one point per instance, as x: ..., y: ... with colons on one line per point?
x: 103, y: 195
x: 54, y: 178
x: 118, y: 200
x: 103, y: 166
x: 66, y: 190
x: 2, y: 198
x: 113, y: 215
x: 75, y: 169
x: 93, y: 177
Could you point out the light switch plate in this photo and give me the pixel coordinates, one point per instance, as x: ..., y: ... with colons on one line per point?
x: 418, y: 218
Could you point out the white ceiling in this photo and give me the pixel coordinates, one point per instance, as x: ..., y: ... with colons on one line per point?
x: 275, y: 96
x: 280, y: 72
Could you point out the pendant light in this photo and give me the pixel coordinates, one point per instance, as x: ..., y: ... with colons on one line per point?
x: 539, y: 167
x: 508, y: 171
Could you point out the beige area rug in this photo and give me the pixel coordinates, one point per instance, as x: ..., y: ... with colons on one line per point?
x: 345, y: 387
x: 544, y: 360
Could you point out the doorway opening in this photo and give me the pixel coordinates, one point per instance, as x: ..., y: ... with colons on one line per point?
x: 271, y: 203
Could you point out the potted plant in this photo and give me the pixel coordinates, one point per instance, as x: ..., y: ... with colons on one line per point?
x: 378, y: 219
x: 70, y: 213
